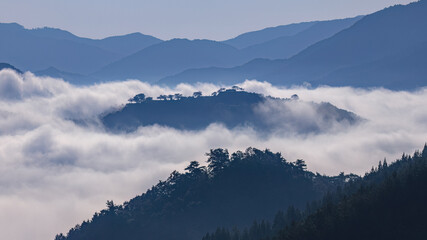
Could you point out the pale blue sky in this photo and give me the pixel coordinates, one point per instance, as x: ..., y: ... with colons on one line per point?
x: 211, y: 19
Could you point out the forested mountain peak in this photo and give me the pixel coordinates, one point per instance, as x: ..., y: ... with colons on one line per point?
x: 387, y: 203
x: 230, y: 107
x: 232, y: 190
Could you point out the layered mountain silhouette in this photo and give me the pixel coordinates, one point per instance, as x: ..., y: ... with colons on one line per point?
x: 383, y: 49
x: 288, y: 45
x: 267, y: 34
x: 37, y: 49
x: 177, y: 55
x: 121, y: 45
x: 172, y: 57
x: 231, y: 108
x: 73, y: 78
x: 363, y: 52
x: 85, y: 61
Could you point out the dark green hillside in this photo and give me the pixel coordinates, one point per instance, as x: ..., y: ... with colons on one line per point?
x: 230, y: 191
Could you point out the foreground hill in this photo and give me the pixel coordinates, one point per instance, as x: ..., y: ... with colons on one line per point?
x: 388, y: 203
x: 231, y: 191
x: 383, y: 42
x: 232, y: 108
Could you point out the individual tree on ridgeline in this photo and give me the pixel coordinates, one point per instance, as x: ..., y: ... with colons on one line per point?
x: 218, y: 159
x: 197, y: 94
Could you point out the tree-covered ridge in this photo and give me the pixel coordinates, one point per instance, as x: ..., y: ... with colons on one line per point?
x: 389, y: 202
x: 232, y: 190
x: 231, y: 108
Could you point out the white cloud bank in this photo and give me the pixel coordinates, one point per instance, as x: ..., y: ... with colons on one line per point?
x: 54, y: 173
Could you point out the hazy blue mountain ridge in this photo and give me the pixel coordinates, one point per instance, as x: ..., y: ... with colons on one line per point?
x: 37, y: 49
x: 385, y: 36
x: 289, y: 45
x: 122, y: 45
x: 267, y: 34
x: 73, y: 78
x: 375, y: 37
x: 148, y: 58
x: 172, y: 57
x: 383, y: 49
x: 8, y: 66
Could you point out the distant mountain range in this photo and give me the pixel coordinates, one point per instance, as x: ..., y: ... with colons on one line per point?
x: 38, y: 49
x: 177, y: 55
x: 74, y: 78
x: 49, y: 51
x: 386, y: 48
x: 288, y: 45
x: 171, y: 57
x: 383, y: 49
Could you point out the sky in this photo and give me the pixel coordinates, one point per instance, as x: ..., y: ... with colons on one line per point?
x: 166, y: 19
x: 55, y: 173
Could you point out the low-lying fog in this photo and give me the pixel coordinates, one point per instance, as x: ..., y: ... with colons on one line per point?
x: 55, y: 173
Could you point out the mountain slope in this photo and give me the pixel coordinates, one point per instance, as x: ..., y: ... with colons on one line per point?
x: 73, y: 78
x: 171, y: 57
x: 35, y: 49
x: 228, y: 76
x: 287, y: 46
x: 278, y: 47
x: 399, y: 70
x: 122, y: 45
x: 125, y: 44
x: 231, y: 191
x: 378, y: 37
x: 374, y: 37
x: 30, y: 52
x: 257, y: 37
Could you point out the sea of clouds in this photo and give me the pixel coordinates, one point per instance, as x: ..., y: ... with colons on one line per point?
x: 55, y: 173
